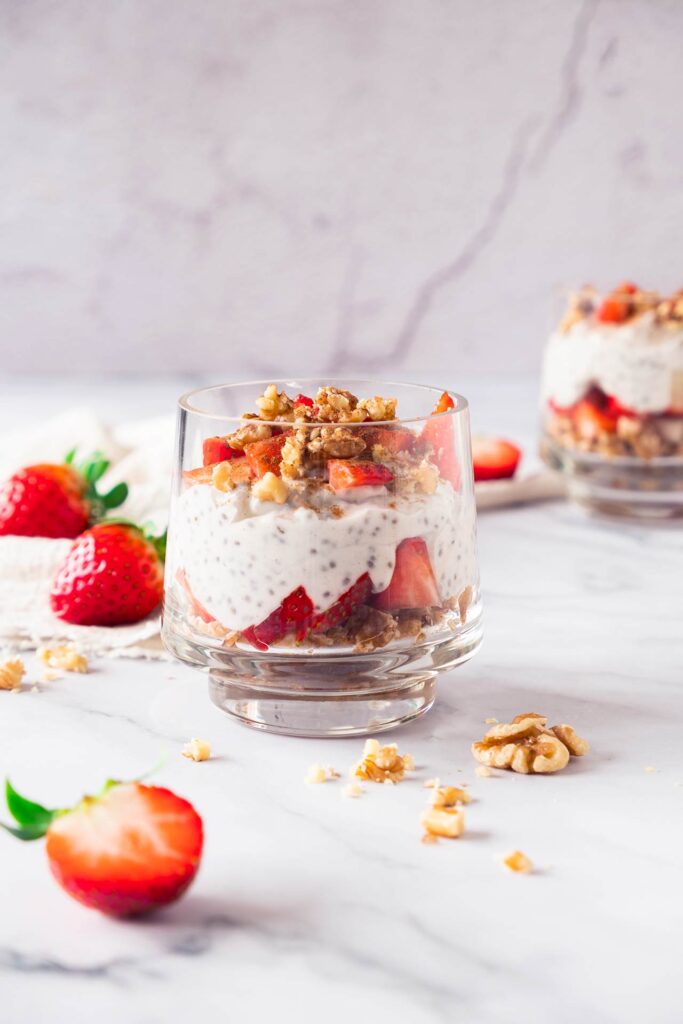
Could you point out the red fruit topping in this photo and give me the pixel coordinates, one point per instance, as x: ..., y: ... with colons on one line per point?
x: 438, y: 433
x: 494, y: 458
x: 392, y: 439
x: 345, y: 474
x: 343, y: 607
x: 196, y: 607
x: 591, y: 421
x: 56, y: 500
x: 112, y: 575
x: 217, y: 449
x: 413, y: 584
x: 294, y: 614
x: 265, y: 456
x: 627, y: 288
x: 613, y: 310
x: 303, y: 400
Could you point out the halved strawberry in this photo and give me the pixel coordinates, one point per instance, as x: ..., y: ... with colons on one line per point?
x: 113, y: 574
x: 494, y: 458
x: 439, y: 434
x: 339, y: 612
x: 265, y: 456
x: 126, y: 851
x: 217, y: 449
x: 50, y: 500
x: 344, y: 474
x: 196, y: 607
x: 413, y: 584
x: 295, y: 614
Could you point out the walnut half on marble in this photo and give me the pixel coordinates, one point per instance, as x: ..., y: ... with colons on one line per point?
x: 527, y: 746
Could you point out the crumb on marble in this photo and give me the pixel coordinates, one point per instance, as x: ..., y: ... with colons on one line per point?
x: 352, y: 790
x: 650, y: 769
x: 483, y: 771
x: 318, y: 773
x: 12, y: 671
x: 518, y: 862
x: 64, y: 657
x: 197, y: 750
x: 449, y: 796
x: 382, y: 764
x: 446, y: 822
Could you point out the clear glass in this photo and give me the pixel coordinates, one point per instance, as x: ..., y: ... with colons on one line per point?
x: 325, y: 577
x: 612, y: 402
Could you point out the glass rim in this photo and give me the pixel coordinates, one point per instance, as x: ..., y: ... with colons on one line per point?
x: 185, y: 402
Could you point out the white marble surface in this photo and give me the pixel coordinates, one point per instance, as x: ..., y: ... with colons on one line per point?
x: 361, y: 182
x: 309, y: 907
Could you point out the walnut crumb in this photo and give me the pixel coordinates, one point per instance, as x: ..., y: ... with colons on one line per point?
x: 490, y: 721
x: 353, y: 790
x: 271, y: 488
x: 525, y: 745
x: 448, y: 822
x: 11, y: 673
x: 430, y: 784
x: 518, y: 862
x: 650, y: 769
x: 318, y: 773
x: 66, y: 657
x: 449, y: 796
x: 197, y: 750
x: 483, y: 772
x: 382, y: 764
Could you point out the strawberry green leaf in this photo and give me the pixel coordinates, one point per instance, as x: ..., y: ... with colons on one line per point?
x: 69, y: 457
x: 28, y: 814
x: 116, y: 496
x: 25, y: 832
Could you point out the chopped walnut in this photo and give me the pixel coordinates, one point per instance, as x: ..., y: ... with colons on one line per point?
x: 271, y: 488
x: 228, y: 474
x: 526, y: 746
x: 448, y: 822
x: 464, y: 601
x: 337, y: 406
x: 66, y: 657
x: 275, y: 404
x: 483, y: 771
x: 197, y: 750
x: 336, y: 443
x: 353, y: 790
x: 574, y: 744
x: 379, y: 409
x: 318, y: 773
x: 382, y: 764
x: 449, y: 796
x: 518, y: 862
x: 248, y: 434
x: 11, y: 673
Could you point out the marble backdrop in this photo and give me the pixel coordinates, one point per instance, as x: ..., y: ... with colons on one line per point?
x: 238, y: 186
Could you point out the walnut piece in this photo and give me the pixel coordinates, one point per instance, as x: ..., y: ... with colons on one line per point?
x: 197, y: 750
x: 336, y: 443
x: 271, y: 488
x: 378, y: 408
x: 448, y: 822
x: 275, y: 404
x: 574, y: 744
x: 65, y: 657
x: 248, y: 434
x: 318, y: 773
x: 382, y: 764
x: 353, y: 790
x: 518, y: 862
x: 449, y: 796
x: 11, y: 673
x: 525, y: 745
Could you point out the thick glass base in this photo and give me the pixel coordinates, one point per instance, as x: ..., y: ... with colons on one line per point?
x: 337, y: 692
x: 620, y: 486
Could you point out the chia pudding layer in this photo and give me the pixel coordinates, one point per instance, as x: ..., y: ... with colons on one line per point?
x: 241, y: 557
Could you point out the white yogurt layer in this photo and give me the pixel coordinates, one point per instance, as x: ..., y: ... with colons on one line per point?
x: 242, y: 556
x: 639, y: 363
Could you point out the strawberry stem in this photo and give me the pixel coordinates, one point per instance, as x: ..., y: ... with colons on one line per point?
x: 93, y: 469
x: 33, y: 820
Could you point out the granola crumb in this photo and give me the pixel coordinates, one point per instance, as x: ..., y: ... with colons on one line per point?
x: 352, y: 790
x: 382, y: 764
x: 65, y: 656
x: 197, y: 750
x: 448, y: 822
x: 12, y: 671
x: 318, y: 773
x: 449, y: 796
x: 518, y: 862
x: 483, y: 772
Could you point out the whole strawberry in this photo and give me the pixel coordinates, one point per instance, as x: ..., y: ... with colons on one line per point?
x: 50, y: 500
x: 128, y: 850
x: 113, y: 575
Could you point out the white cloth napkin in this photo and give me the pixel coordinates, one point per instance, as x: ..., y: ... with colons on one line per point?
x: 142, y: 454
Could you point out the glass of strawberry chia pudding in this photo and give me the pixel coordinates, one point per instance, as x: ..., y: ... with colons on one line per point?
x: 321, y: 558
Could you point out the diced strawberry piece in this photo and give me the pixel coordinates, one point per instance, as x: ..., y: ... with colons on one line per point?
x: 627, y: 288
x: 240, y: 473
x: 613, y: 310
x: 303, y: 400
x: 590, y: 421
x: 413, y: 584
x: 217, y: 449
x: 265, y: 456
x: 345, y: 474
x: 394, y: 440
x: 294, y: 614
x: 494, y: 458
x: 343, y: 607
x: 438, y: 433
x: 196, y: 607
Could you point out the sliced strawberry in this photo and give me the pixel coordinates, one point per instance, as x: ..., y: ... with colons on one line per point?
x: 304, y: 400
x: 438, y: 433
x: 293, y: 615
x: 113, y: 574
x: 265, y: 456
x: 413, y: 584
x: 343, y: 607
x: 217, y: 449
x: 494, y: 458
x: 392, y: 439
x: 196, y: 607
x: 127, y: 851
x: 344, y: 474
